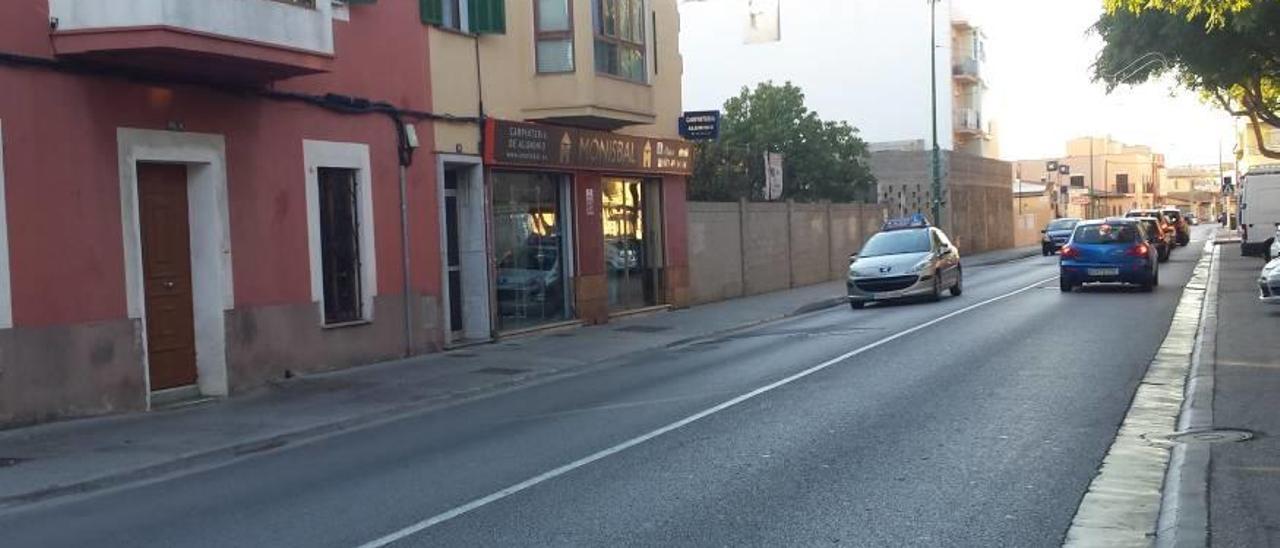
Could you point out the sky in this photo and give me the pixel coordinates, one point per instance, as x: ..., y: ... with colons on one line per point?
x: 1039, y: 53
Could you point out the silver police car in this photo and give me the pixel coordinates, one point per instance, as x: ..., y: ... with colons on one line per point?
x: 907, y: 258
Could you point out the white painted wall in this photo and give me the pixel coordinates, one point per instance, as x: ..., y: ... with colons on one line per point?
x: 317, y: 154
x: 259, y: 20
x: 213, y: 289
x: 862, y: 61
x: 6, y: 298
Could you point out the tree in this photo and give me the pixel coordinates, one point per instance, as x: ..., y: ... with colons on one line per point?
x: 1228, y: 50
x: 1215, y: 11
x: 823, y: 160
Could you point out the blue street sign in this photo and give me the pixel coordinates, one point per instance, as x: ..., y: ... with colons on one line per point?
x: 700, y: 125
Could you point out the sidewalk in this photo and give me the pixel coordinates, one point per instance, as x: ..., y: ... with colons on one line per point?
x: 1244, y: 477
x: 51, y: 460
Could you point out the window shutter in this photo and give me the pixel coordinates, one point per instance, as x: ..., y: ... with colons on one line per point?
x: 432, y: 11
x: 487, y: 16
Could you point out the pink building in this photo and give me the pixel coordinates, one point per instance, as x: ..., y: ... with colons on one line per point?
x: 198, y: 197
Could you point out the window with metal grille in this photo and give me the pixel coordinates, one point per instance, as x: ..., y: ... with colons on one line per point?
x: 620, y: 38
x: 1122, y: 183
x: 340, y: 245
x: 1077, y: 181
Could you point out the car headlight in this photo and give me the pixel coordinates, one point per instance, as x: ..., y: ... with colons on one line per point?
x: 1045, y: 238
x: 920, y: 266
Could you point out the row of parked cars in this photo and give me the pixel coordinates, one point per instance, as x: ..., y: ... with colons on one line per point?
x: 1125, y: 249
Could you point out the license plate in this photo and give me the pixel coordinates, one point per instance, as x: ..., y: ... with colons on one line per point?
x: 1104, y: 271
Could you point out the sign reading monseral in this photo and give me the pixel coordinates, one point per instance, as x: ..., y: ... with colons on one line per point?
x: 521, y: 143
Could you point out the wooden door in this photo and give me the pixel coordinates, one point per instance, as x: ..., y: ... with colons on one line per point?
x: 166, y: 268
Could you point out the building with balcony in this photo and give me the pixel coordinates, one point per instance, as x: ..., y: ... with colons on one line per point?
x: 972, y: 133
x: 568, y: 206
x: 200, y: 197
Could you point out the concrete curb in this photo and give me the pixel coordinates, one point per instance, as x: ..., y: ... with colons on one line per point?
x: 1184, y: 501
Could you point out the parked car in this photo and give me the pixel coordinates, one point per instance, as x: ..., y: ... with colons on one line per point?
x: 1157, y: 236
x: 1275, y: 245
x: 1179, y: 223
x: 1192, y: 219
x: 1269, y: 282
x: 1109, y: 251
x: 1259, y: 210
x: 1056, y: 234
x: 907, y: 258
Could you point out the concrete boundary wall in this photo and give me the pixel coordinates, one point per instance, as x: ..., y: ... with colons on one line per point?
x: 747, y: 248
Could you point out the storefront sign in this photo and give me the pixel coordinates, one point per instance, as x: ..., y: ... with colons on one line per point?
x: 700, y: 125
x: 525, y: 144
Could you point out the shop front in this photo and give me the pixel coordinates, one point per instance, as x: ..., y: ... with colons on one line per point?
x: 584, y: 224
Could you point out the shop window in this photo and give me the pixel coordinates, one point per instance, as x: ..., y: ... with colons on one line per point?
x: 530, y: 249
x: 340, y: 244
x: 553, y: 24
x: 620, y: 38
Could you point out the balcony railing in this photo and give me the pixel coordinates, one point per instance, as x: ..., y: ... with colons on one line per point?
x: 967, y: 68
x: 968, y: 121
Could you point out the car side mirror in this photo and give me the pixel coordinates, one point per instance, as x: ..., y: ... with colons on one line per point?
x: 1044, y: 230
x: 853, y: 257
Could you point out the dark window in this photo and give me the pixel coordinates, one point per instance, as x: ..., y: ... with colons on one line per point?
x: 1077, y: 181
x: 451, y: 16
x: 1122, y: 183
x: 1106, y: 234
x: 620, y: 40
x: 339, y: 244
x: 553, y: 25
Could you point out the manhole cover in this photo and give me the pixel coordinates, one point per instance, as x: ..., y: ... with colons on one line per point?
x: 501, y: 371
x: 1225, y: 435
x: 642, y: 329
x: 6, y: 462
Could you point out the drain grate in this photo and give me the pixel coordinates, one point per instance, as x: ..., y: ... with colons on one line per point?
x: 1224, y: 435
x: 509, y: 371
x: 643, y: 329
x: 6, y: 462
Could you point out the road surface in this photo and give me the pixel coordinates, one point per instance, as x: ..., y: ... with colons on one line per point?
x: 977, y: 420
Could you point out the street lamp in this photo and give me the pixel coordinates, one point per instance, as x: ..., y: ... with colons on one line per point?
x: 933, y: 109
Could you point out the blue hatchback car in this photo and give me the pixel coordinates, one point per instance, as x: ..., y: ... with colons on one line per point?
x: 1109, y: 251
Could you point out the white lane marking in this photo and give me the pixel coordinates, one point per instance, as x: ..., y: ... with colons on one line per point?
x: 551, y: 474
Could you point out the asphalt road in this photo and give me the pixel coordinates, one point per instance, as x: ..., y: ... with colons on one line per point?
x: 983, y: 427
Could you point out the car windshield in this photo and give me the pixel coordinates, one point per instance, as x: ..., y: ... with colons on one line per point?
x: 897, y: 242
x: 1105, y: 233
x: 1063, y: 224
x: 1172, y: 215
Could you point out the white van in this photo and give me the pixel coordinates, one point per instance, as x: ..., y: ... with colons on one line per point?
x: 1259, y: 209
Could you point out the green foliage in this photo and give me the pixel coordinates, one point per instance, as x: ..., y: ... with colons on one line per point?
x: 1228, y: 50
x: 1214, y: 12
x: 822, y: 160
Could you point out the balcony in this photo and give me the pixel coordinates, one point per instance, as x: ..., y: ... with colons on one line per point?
x: 232, y: 41
x: 968, y: 122
x: 967, y: 70
x: 587, y: 99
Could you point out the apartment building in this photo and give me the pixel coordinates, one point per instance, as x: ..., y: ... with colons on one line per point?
x: 568, y: 204
x: 1101, y: 177
x: 197, y: 198
x: 972, y: 132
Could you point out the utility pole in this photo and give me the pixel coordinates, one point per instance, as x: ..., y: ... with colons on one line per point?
x: 1093, y: 207
x: 933, y: 109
